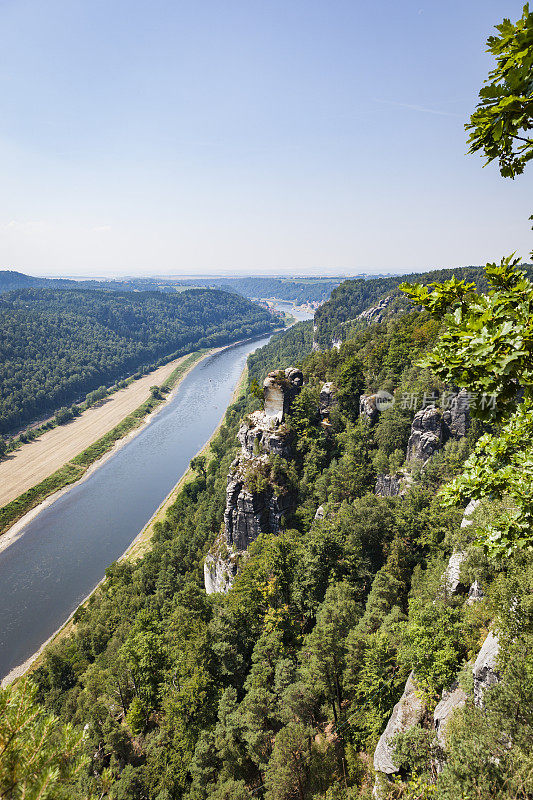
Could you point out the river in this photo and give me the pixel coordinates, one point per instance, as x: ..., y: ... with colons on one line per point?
x: 63, y: 552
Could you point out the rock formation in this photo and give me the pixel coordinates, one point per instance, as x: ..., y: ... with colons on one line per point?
x: 375, y: 313
x: 393, y: 485
x: 428, y: 434
x: 451, y: 700
x: 368, y: 407
x: 432, y: 428
x: 484, y: 669
x: 457, y: 417
x: 452, y: 574
x: 327, y: 399
x: 408, y: 711
x: 253, y: 504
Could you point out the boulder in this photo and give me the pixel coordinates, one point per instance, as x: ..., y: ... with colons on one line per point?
x: 484, y: 669
x: 320, y: 514
x: 428, y: 434
x: 407, y: 712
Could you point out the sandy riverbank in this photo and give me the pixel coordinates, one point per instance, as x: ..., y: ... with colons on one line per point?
x: 35, y: 461
x: 139, y: 546
x: 17, y: 529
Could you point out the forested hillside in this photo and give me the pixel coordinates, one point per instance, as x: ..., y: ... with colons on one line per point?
x: 294, y: 290
x: 354, y: 296
x: 283, y: 686
x: 58, y: 344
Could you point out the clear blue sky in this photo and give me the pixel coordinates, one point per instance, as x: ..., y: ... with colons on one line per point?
x: 251, y: 136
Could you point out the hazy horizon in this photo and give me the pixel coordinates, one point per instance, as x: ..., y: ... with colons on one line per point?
x: 182, y: 138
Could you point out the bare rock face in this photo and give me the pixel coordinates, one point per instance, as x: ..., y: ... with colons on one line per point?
x: 375, y: 313
x: 253, y: 505
x: 258, y: 435
x: 475, y: 593
x: 467, y: 515
x: 393, y: 485
x: 320, y: 514
x: 408, y: 711
x: 220, y: 567
x: 451, y: 577
x: 432, y: 428
x: 249, y: 513
x: 327, y: 399
x: 428, y: 434
x: 279, y: 390
x: 453, y: 699
x: 484, y: 669
x: 368, y: 407
x: 458, y: 417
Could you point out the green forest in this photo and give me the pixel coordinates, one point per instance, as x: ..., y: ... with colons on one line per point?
x: 56, y: 345
x: 282, y: 687
x: 294, y: 290
x: 379, y: 644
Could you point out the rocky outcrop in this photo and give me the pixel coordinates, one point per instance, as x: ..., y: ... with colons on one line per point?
x: 220, y: 567
x: 428, y: 434
x: 475, y: 593
x: 484, y: 669
x: 408, y: 711
x: 280, y: 389
x: 432, y: 427
x: 452, y: 573
x: 258, y: 436
x: 320, y: 514
x: 393, y: 485
x: 451, y: 700
x: 375, y: 313
x: 253, y: 504
x: 368, y: 407
x: 249, y: 513
x: 467, y: 514
x: 457, y: 418
x: 327, y: 399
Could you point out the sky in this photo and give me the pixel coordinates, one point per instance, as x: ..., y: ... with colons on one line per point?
x: 249, y: 136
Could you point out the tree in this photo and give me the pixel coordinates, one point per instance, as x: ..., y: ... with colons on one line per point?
x: 487, y: 347
x: 198, y: 464
x: 287, y: 774
x: 499, y: 126
x: 39, y: 757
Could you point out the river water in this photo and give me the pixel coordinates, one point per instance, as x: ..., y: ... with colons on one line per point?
x: 63, y: 552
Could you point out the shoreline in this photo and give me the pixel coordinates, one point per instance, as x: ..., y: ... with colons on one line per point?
x: 14, y: 531
x: 136, y: 549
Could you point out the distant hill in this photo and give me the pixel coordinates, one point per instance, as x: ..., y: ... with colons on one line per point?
x: 333, y: 319
x: 296, y: 290
x: 58, y: 344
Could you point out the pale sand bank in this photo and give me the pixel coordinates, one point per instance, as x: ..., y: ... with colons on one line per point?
x: 35, y: 461
x: 136, y: 549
